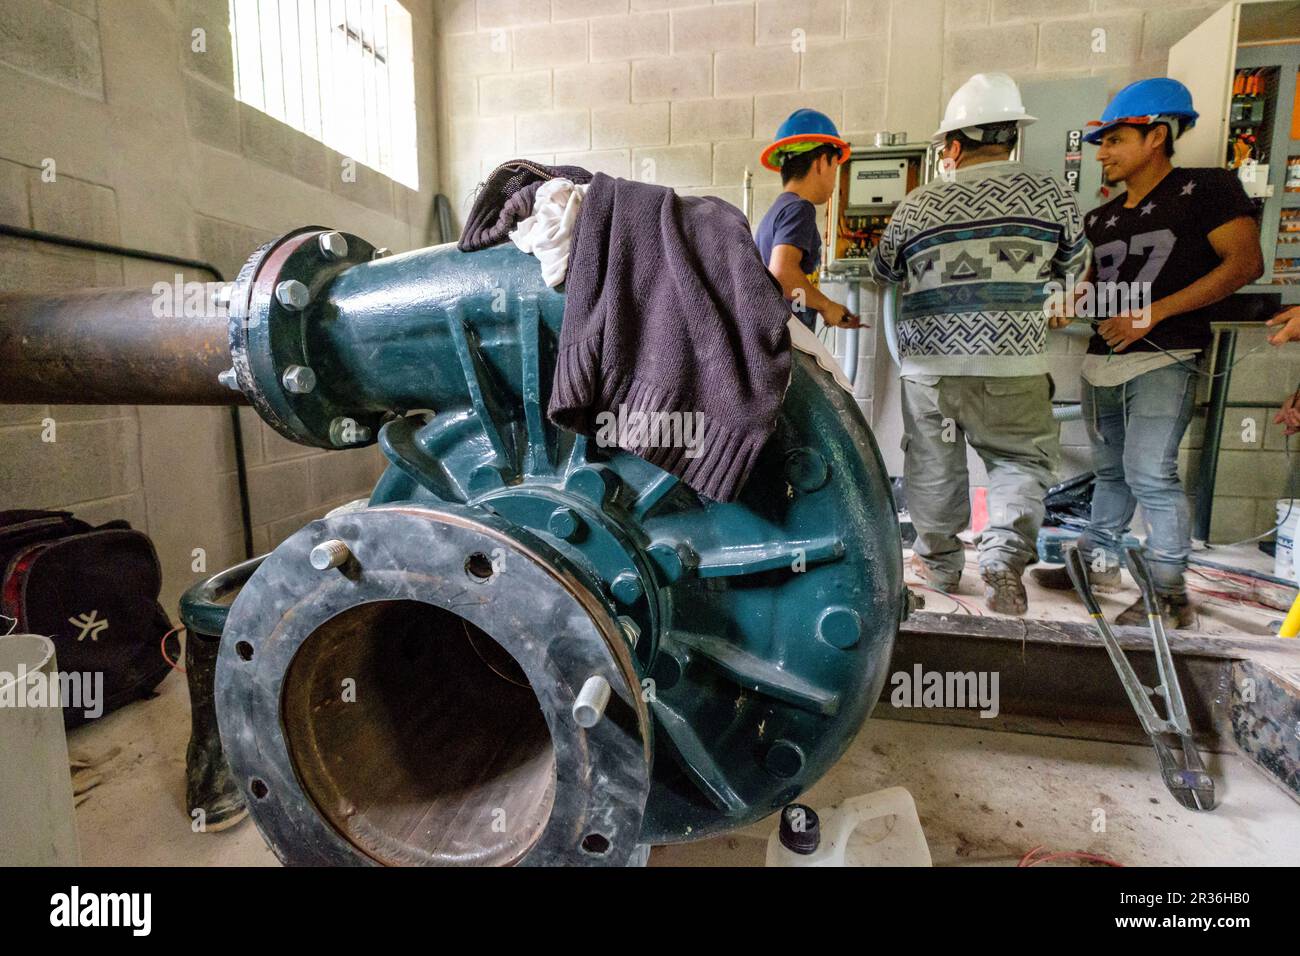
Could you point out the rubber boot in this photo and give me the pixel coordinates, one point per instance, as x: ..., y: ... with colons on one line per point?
x: 209, y: 785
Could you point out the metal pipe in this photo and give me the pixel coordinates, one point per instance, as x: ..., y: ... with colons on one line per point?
x: 108, y: 346
x: 1208, y: 467
x: 236, y: 427
x: 849, y: 356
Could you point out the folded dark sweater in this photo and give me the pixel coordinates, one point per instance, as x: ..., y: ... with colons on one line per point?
x: 674, y: 331
x: 506, y: 198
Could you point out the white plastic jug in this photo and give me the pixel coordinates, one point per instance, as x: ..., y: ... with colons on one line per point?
x: 902, y: 842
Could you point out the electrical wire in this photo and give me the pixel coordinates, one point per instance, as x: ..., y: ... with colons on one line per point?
x: 1033, y: 859
x: 1183, y: 362
x: 162, y: 649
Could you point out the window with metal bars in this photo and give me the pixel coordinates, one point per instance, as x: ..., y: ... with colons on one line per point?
x: 341, y: 71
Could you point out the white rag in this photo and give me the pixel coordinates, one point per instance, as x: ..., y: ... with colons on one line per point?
x: 548, y: 232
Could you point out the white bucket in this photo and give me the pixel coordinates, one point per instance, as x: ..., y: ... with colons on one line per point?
x: 1284, y: 562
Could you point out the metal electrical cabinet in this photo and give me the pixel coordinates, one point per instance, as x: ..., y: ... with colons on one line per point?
x: 871, y: 184
x: 1259, y: 40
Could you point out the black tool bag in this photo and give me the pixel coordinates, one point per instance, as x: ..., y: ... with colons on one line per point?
x: 94, y: 592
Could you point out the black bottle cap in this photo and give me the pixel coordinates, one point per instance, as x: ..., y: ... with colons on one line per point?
x: 800, y: 830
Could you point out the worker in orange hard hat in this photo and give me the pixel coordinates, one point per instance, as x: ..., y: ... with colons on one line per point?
x: 807, y: 152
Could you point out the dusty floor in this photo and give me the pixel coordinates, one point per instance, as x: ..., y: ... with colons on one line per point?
x: 1215, y: 614
x: 984, y: 799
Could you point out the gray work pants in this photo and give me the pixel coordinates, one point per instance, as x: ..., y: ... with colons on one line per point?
x: 1008, y: 421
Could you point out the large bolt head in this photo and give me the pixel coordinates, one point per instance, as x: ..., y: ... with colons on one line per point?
x: 293, y: 295
x: 333, y: 245
x: 298, y: 379
x: 564, y: 523
x: 627, y: 587
x: 229, y: 379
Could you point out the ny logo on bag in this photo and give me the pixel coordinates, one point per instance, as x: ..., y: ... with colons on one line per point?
x: 89, y: 624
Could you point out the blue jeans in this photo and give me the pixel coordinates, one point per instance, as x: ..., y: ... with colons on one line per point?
x: 1136, y: 429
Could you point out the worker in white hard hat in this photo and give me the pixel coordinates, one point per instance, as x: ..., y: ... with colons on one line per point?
x: 972, y: 252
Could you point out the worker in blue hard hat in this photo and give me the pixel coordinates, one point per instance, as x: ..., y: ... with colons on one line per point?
x: 1168, y: 252
x: 807, y: 152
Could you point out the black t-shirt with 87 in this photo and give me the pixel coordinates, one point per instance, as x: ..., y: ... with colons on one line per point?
x: 1164, y: 241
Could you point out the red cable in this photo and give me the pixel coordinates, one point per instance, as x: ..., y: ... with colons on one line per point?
x: 162, y: 648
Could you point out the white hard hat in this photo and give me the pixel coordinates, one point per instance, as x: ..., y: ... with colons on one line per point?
x: 984, y: 98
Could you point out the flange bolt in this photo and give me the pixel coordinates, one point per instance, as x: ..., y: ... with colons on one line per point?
x: 333, y: 245
x: 229, y: 379
x: 329, y: 554
x: 293, y: 295
x: 298, y: 379
x: 627, y: 587
x: 590, y: 705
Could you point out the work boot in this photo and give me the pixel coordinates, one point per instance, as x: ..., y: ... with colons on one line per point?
x: 1004, y: 592
x: 1058, y: 579
x: 933, y: 578
x: 1175, y: 610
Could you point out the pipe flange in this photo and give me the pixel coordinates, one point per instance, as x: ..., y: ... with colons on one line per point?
x: 367, y: 706
x: 277, y: 294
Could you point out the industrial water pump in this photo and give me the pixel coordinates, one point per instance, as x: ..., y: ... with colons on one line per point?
x: 523, y: 648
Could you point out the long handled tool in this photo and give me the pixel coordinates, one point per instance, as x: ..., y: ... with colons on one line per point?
x: 1187, y: 780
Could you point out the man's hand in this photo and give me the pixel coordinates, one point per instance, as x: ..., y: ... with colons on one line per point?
x: 1289, y: 415
x: 836, y: 315
x: 1290, y: 322
x: 1121, y: 331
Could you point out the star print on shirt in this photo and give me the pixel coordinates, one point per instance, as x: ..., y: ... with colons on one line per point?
x: 1148, y: 207
x: 1111, y: 221
x: 1187, y: 190
x: 1092, y: 220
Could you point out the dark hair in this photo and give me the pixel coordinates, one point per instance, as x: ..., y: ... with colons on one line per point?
x: 1170, y: 133
x: 1002, y: 135
x: 797, y: 165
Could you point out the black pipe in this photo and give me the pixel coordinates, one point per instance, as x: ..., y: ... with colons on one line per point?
x: 54, y: 239
x: 1208, y: 467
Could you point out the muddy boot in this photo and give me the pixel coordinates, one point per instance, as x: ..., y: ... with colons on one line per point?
x: 1004, y: 592
x: 1058, y: 579
x: 1175, y: 610
x: 209, y: 785
x: 933, y: 578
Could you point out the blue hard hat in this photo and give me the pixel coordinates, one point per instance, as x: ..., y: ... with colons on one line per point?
x: 1144, y: 102
x: 806, y: 127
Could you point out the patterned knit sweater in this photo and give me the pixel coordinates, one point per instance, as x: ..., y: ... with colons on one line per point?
x: 974, y: 257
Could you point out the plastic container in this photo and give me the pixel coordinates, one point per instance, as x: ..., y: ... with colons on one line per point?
x: 37, y: 825
x: 1284, y: 558
x: 875, y: 829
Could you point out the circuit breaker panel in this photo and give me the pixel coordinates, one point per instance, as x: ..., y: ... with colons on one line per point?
x: 871, y: 185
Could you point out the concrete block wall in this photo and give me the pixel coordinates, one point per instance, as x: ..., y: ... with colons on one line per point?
x: 686, y: 93
x: 149, y: 148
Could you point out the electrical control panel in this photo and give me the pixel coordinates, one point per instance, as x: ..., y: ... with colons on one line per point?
x: 871, y: 184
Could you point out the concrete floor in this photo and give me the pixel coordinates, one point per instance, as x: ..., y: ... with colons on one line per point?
x: 984, y: 799
x: 1214, y: 615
